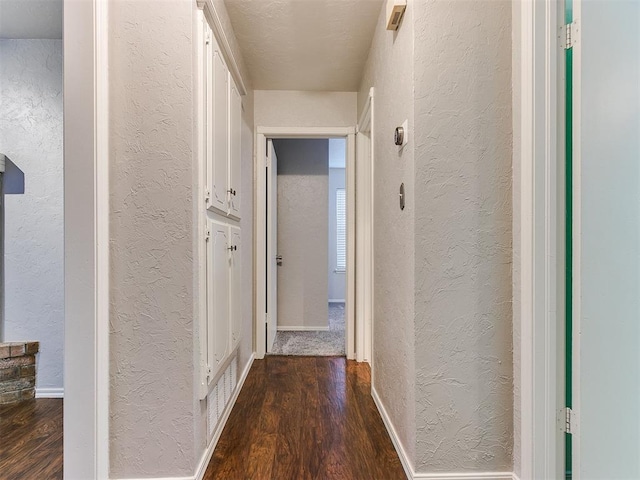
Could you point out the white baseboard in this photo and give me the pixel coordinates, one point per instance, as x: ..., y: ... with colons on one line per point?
x: 49, y: 392
x: 464, y: 476
x: 208, y: 453
x: 337, y: 300
x: 302, y: 329
x: 404, y: 459
x: 406, y: 462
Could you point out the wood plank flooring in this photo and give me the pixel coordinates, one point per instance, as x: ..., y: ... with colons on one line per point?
x: 31, y: 440
x: 300, y: 418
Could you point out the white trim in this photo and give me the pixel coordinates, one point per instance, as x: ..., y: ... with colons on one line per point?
x: 402, y: 454
x: 465, y: 476
x: 86, y: 191
x: 540, y: 437
x: 225, y: 46
x: 208, y: 453
x: 337, y: 300
x: 365, y: 222
x: 49, y: 392
x: 301, y: 328
x: 350, y: 294
x: 515, y: 477
x: 406, y: 462
x: 262, y: 133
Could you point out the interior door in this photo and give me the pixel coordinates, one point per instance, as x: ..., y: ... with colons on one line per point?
x: 236, y: 287
x: 218, y: 294
x: 607, y: 192
x: 235, y: 148
x: 272, y: 245
x: 218, y: 132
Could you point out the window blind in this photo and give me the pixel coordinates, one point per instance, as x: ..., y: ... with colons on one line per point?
x: 341, y: 230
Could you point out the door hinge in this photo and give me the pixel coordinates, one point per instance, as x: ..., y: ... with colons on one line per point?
x: 569, y: 421
x: 208, y: 38
x: 569, y: 35
x: 266, y: 319
x: 207, y: 196
x: 207, y: 235
x: 208, y: 372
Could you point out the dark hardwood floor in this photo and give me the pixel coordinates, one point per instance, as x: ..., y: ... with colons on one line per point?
x: 31, y: 440
x: 305, y: 418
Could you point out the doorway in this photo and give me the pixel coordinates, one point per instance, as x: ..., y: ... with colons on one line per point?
x: 267, y: 258
x: 306, y: 214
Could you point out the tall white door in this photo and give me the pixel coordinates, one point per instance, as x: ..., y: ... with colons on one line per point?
x: 218, y: 132
x: 236, y: 286
x: 272, y: 245
x: 607, y: 189
x: 235, y: 148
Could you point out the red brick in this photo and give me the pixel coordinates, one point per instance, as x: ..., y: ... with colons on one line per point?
x: 9, y: 397
x: 31, y: 348
x: 11, y: 373
x: 5, y: 351
x: 17, y: 350
x: 28, y: 371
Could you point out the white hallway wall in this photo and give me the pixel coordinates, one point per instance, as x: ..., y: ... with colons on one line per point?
x: 158, y: 425
x: 31, y: 136
x: 442, y: 312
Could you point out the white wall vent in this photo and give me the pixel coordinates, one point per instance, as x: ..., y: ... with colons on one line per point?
x: 220, y: 394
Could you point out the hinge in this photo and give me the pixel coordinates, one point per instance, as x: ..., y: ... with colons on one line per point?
x: 207, y: 196
x: 569, y: 35
x: 569, y: 421
x: 208, y: 372
x: 208, y: 38
x: 268, y: 161
x: 207, y: 235
x: 266, y: 319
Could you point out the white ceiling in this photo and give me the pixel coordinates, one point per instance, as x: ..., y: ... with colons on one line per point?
x: 317, y: 45
x: 31, y: 19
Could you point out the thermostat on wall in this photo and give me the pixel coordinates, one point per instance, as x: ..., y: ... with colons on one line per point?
x: 395, y: 10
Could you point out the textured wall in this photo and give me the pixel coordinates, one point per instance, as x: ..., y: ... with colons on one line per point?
x: 31, y: 136
x: 277, y: 108
x: 390, y: 70
x: 464, y: 371
x: 517, y: 146
x: 303, y: 191
x: 337, y: 281
x: 152, y: 238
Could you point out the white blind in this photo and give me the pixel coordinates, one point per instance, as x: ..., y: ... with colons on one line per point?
x: 341, y: 230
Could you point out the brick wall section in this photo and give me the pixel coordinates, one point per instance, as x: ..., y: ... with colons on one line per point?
x: 17, y: 371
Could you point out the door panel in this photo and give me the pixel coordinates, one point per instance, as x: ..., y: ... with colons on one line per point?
x: 236, y: 287
x: 218, y: 259
x: 235, y: 153
x: 607, y: 185
x: 272, y: 245
x: 218, y: 134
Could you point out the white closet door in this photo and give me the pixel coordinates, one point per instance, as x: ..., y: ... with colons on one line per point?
x: 218, y: 258
x: 236, y: 286
x: 218, y: 134
x: 235, y: 155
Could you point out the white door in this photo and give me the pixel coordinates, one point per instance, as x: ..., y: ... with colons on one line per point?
x: 235, y: 154
x: 236, y: 287
x: 272, y: 245
x: 218, y: 132
x: 607, y: 188
x: 218, y: 258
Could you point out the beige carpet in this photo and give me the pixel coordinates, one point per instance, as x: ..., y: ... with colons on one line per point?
x: 328, y: 343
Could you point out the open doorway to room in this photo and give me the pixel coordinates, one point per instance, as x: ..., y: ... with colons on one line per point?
x: 306, y: 212
x: 32, y: 239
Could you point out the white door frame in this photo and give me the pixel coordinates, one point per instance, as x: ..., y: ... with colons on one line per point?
x: 86, y: 232
x: 540, y: 244
x: 262, y: 133
x: 364, y: 235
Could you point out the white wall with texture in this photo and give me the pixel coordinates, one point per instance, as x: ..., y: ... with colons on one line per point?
x: 31, y: 137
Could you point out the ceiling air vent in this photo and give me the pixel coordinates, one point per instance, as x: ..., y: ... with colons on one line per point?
x: 395, y: 10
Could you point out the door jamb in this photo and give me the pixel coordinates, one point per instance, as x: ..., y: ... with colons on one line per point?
x: 364, y: 225
x: 262, y: 133
x: 539, y: 263
x: 86, y: 219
